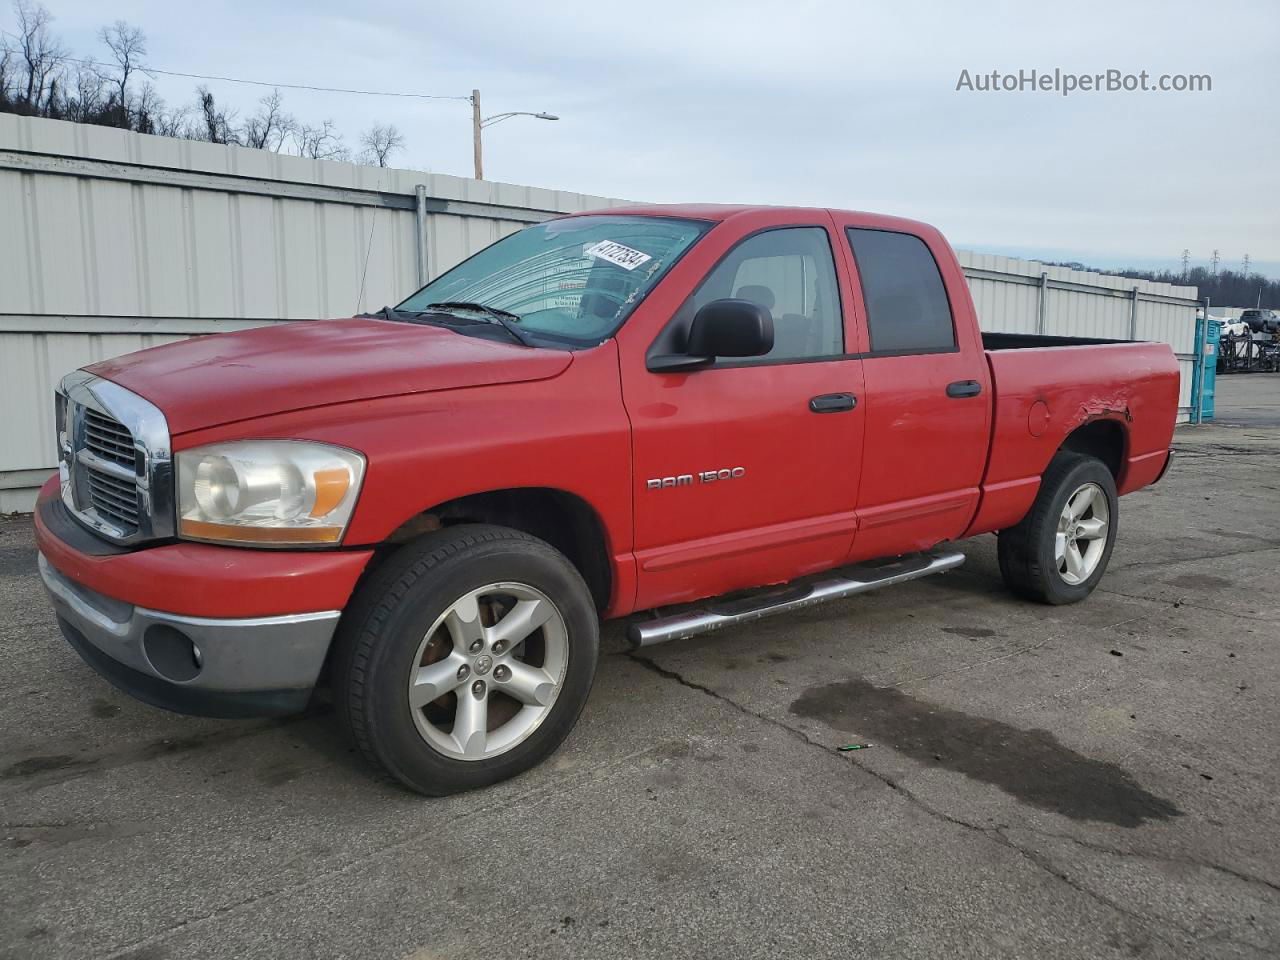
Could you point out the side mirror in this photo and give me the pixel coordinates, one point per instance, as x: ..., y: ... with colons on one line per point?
x: 722, y: 328
x: 731, y: 328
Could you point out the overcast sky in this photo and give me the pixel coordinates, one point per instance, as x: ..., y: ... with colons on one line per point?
x: 833, y: 104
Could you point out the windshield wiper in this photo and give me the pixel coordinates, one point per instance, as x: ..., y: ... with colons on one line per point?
x: 390, y: 313
x: 504, y: 318
x: 472, y: 305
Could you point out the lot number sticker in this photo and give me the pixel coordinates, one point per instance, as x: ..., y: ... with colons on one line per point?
x: 617, y: 254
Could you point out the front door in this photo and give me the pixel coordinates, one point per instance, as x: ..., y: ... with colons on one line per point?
x: 746, y: 471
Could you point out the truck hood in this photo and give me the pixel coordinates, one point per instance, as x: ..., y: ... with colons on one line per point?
x: 207, y: 381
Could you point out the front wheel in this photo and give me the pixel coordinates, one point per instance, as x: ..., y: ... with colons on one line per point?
x: 1058, y: 553
x: 467, y: 658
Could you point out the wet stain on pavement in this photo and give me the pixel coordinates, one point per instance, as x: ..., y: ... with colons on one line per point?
x: 44, y: 769
x: 1031, y: 765
x: 104, y: 709
x: 32, y: 766
x: 278, y: 776
x: 1201, y: 581
x: 973, y: 633
x: 61, y: 834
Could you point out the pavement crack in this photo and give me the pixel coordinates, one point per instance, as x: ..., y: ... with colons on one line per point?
x: 995, y: 833
x: 1031, y: 648
x: 669, y: 674
x: 1184, y: 602
x: 524, y: 801
x: 1240, y: 875
x: 1045, y: 864
x: 1198, y: 557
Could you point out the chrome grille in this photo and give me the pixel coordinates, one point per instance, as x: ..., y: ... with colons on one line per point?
x: 116, y: 468
x: 108, y: 438
x: 114, y: 499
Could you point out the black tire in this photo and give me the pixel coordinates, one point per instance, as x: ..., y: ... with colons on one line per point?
x: 1026, y: 551
x: 381, y: 631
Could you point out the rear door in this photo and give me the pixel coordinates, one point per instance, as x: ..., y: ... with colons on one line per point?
x: 927, y: 390
x: 746, y: 471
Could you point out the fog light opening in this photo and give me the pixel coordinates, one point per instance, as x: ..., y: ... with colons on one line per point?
x: 171, y: 653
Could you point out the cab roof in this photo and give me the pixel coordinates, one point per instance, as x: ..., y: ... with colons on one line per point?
x: 718, y: 212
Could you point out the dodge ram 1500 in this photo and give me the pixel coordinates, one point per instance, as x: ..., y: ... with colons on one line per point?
x: 431, y: 509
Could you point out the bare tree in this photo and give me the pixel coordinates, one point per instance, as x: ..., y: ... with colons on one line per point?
x: 270, y: 126
x: 128, y: 46
x: 148, y: 106
x: 176, y: 123
x: 42, y: 56
x: 320, y: 143
x: 7, y: 58
x: 38, y: 77
x: 380, y: 142
x: 215, y: 125
x: 84, y: 104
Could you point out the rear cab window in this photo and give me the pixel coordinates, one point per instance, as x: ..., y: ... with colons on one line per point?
x: 906, y: 301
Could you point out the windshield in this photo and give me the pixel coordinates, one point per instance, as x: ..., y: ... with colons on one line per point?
x: 575, y: 278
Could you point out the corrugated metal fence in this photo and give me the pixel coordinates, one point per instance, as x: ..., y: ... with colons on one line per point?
x: 1023, y: 296
x: 113, y: 241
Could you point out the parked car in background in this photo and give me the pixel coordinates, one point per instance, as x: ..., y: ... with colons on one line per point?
x: 1234, y: 328
x: 601, y: 416
x: 1261, y: 320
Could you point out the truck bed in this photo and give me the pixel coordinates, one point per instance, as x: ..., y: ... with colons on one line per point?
x: 1047, y: 387
x: 1029, y: 341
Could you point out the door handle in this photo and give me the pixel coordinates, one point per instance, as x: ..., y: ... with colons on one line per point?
x: 964, y: 388
x: 833, y: 403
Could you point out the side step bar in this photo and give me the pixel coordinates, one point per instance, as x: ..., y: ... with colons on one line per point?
x: 845, y: 582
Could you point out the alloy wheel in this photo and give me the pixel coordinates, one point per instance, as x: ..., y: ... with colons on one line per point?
x: 1081, y: 538
x: 489, y: 670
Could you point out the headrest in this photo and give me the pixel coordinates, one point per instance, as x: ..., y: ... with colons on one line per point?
x: 757, y: 294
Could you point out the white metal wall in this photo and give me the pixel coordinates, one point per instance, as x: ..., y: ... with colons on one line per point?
x: 113, y: 241
x: 1008, y: 294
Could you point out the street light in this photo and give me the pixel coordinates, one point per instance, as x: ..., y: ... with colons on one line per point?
x: 478, y: 124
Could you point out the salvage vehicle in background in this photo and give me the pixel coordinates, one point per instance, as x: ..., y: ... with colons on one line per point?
x: 432, y: 508
x: 1261, y: 321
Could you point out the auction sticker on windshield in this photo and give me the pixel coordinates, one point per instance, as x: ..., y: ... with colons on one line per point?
x: 617, y: 254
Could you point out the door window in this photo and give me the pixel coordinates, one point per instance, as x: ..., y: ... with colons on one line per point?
x: 790, y: 272
x: 907, y: 306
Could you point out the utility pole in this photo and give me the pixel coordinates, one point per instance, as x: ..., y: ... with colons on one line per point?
x: 1214, y: 260
x: 1186, y: 260
x: 478, y: 123
x: 475, y: 133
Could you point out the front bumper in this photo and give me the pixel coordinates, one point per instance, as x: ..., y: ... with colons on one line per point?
x: 250, y: 666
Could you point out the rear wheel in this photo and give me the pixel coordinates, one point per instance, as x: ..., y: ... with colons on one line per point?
x: 467, y: 658
x: 1059, y: 552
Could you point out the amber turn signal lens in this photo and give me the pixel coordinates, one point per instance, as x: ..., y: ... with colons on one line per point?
x: 331, y: 487
x: 233, y: 533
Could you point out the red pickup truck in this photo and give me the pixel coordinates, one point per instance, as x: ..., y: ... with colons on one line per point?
x: 430, y: 509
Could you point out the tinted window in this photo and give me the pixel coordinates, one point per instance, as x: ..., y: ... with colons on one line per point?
x: 791, y: 274
x: 907, y: 307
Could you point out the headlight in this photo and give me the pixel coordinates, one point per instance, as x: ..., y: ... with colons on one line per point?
x: 267, y: 492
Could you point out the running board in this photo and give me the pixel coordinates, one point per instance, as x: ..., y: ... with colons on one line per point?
x: 846, y: 582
